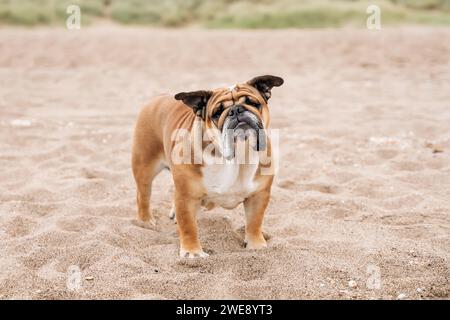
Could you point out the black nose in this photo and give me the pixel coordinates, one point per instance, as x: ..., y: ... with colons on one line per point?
x: 236, y: 110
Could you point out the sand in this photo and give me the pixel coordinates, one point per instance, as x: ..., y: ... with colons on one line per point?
x: 360, y: 208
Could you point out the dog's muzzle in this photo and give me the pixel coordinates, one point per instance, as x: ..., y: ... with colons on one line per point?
x: 241, y: 124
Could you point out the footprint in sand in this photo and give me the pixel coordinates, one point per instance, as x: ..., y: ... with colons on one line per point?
x: 19, y: 227
x: 341, y: 177
x: 286, y: 184
x: 250, y: 267
x: 36, y: 259
x: 407, y: 166
x: 322, y: 188
x: 387, y: 154
x: 77, y: 224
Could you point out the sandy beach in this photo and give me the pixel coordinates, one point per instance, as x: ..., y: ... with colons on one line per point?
x: 360, y: 208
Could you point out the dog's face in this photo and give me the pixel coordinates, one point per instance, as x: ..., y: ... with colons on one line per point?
x: 235, y: 113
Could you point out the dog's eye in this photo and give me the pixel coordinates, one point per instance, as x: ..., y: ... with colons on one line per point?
x: 218, y: 112
x: 252, y: 103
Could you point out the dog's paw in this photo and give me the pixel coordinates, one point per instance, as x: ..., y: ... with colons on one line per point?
x: 258, y: 243
x: 150, y: 224
x: 192, y: 254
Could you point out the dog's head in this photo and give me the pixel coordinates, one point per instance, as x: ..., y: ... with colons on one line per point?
x: 235, y: 112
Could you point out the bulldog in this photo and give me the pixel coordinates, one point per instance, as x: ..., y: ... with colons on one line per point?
x: 216, y: 124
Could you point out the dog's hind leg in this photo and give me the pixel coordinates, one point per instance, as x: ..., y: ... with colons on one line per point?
x: 144, y: 173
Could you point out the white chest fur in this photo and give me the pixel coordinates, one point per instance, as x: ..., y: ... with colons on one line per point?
x: 228, y: 184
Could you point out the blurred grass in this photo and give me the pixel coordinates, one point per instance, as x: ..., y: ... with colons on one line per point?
x: 227, y: 13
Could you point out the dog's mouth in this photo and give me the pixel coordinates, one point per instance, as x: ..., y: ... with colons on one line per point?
x: 242, y: 127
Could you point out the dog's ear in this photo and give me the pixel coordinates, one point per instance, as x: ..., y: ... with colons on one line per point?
x: 264, y: 84
x: 197, y: 100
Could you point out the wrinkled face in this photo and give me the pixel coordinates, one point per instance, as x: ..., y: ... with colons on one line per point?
x: 236, y: 113
x: 232, y: 111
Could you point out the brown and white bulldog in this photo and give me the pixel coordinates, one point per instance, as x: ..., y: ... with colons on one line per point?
x: 219, y: 122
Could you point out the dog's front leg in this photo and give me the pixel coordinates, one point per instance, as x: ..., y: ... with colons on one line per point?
x: 186, y: 208
x: 255, y: 206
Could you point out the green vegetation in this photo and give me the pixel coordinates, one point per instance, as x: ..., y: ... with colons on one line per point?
x: 227, y: 13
